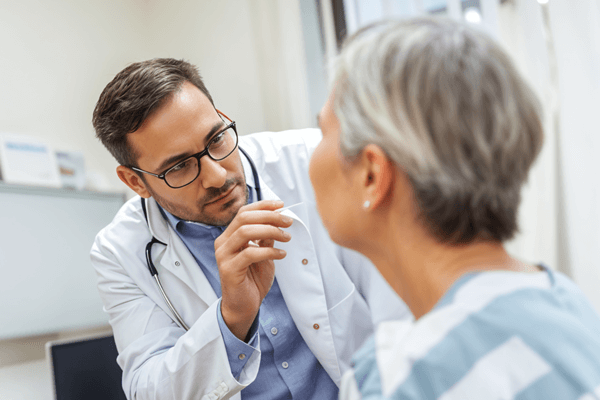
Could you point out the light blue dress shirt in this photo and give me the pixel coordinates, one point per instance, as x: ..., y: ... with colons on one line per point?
x: 288, y: 369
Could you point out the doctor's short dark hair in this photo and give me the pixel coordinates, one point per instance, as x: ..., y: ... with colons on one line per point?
x: 452, y: 112
x: 135, y: 94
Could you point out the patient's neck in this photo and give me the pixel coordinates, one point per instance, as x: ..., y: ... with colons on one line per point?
x: 421, y: 269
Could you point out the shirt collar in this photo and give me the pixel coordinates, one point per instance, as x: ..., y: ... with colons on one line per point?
x: 178, y: 223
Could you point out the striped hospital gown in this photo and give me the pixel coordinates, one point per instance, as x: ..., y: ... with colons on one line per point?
x: 494, y: 335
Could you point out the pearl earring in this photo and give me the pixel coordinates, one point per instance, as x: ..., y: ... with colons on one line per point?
x: 366, y: 205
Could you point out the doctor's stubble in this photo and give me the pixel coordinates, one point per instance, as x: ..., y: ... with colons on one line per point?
x: 211, y: 193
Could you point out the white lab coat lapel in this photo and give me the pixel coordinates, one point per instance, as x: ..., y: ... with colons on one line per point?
x: 177, y: 259
x: 302, y: 289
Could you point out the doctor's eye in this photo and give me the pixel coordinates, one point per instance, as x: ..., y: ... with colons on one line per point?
x: 218, y: 140
x: 182, y: 166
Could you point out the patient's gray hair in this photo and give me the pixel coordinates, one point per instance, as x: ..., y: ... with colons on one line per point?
x: 449, y: 108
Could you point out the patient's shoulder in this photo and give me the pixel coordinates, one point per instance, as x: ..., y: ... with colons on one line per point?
x: 491, y: 333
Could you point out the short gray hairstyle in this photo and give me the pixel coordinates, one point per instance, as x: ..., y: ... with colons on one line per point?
x: 449, y: 108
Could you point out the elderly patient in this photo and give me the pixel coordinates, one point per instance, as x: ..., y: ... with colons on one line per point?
x: 428, y: 136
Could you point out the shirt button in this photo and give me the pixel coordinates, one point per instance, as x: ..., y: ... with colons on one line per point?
x: 242, y: 356
x: 274, y: 331
x: 284, y: 364
x: 316, y: 326
x: 305, y: 261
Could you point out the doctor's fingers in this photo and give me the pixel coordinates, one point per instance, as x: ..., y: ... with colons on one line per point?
x: 240, y: 238
x: 254, y: 255
x: 258, y: 217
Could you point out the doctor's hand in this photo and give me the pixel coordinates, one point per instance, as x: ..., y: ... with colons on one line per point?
x: 245, y: 255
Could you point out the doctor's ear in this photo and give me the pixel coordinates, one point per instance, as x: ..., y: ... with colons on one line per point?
x: 133, y: 180
x: 378, y: 176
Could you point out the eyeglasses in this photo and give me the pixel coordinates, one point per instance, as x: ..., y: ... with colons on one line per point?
x: 186, y: 171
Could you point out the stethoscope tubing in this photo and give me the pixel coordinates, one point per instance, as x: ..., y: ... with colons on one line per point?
x: 164, y: 294
x: 148, y: 252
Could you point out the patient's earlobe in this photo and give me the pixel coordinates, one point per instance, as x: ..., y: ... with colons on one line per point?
x: 379, y: 176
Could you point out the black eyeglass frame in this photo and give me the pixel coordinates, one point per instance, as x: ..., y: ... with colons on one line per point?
x: 199, y: 155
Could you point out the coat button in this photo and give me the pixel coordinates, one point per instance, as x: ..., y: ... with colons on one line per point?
x: 305, y: 261
x: 284, y: 364
x: 316, y: 326
x: 274, y: 331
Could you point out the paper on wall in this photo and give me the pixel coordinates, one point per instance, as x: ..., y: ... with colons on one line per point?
x: 28, y: 161
x: 71, y: 165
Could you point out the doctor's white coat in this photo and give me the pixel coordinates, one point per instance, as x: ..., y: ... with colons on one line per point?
x: 334, y: 295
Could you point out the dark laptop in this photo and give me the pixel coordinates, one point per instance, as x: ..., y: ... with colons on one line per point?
x: 85, y: 369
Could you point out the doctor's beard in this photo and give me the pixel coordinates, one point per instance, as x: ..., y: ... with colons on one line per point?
x: 198, y: 214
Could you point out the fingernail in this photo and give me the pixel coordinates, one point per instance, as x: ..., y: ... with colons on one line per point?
x: 286, y: 219
x: 286, y: 235
x: 281, y: 252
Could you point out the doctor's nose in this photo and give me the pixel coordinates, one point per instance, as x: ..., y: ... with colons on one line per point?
x: 212, y: 173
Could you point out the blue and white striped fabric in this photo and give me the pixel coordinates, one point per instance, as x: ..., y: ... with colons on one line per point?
x: 494, y: 335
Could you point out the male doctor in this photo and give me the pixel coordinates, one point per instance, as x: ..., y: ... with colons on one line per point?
x: 212, y: 292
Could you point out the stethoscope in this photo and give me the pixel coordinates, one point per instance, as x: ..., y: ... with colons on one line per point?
x: 154, y: 240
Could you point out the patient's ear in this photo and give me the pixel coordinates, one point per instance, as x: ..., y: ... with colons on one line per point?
x: 378, y: 176
x: 133, y: 180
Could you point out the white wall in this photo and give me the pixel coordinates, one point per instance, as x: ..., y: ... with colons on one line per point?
x: 249, y: 52
x: 58, y: 56
x: 216, y: 36
x: 576, y: 33
x: 55, y: 59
